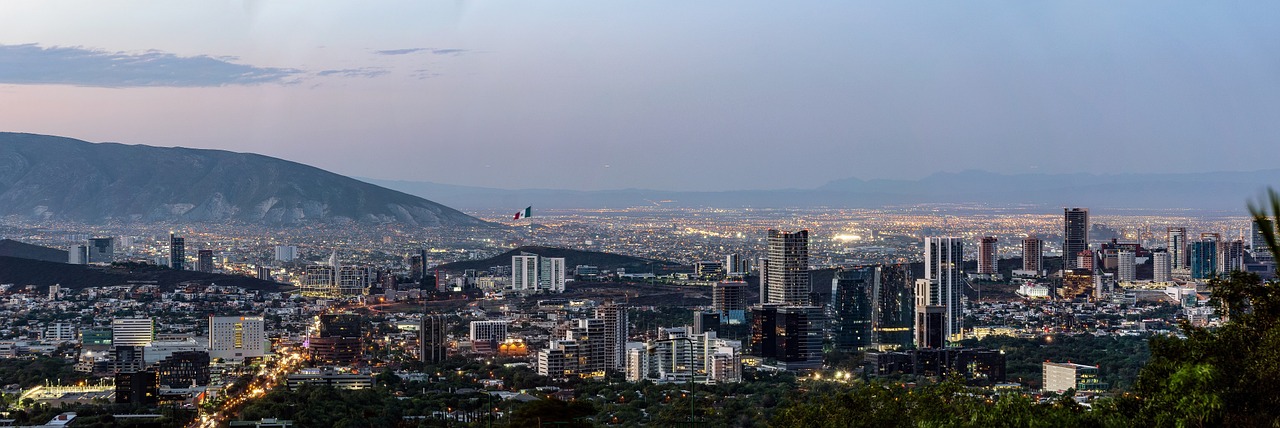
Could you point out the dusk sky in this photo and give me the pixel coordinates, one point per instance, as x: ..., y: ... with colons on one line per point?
x: 674, y: 95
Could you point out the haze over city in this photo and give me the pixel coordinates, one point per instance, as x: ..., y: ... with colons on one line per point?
x: 666, y: 95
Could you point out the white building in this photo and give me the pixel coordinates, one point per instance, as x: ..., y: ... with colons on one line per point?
x: 132, y: 331
x: 679, y: 354
x: 60, y: 332
x: 1059, y: 377
x: 524, y: 272
x: 157, y: 350
x: 237, y: 338
x: 286, y: 253
x: 551, y: 274
x: 492, y: 330
x: 1162, y: 268
x: 1125, y: 266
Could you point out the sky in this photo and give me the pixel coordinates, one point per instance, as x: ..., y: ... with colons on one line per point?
x: 672, y: 95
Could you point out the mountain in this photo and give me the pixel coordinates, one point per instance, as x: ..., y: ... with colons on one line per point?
x: 604, y: 261
x: 1216, y: 191
x: 23, y: 250
x: 21, y: 272
x: 60, y: 178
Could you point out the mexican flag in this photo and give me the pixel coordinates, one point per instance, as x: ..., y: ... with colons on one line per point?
x: 528, y: 212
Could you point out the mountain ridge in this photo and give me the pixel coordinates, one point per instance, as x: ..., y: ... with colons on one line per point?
x: 50, y: 177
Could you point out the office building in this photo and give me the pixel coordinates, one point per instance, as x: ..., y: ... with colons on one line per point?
x: 987, y: 264
x: 976, y: 365
x: 433, y: 337
x: 1258, y: 242
x: 729, y: 299
x: 893, y: 310
x: 524, y: 272
x: 286, y: 253
x: 789, y: 335
x: 851, y: 307
x: 614, y: 317
x: 264, y: 273
x: 204, y: 261
x: 1231, y: 256
x: 931, y: 318
x: 236, y: 338
x: 338, y: 339
x: 1033, y: 255
x: 486, y: 335
x: 1059, y: 377
x: 1203, y: 259
x: 1085, y: 260
x: 335, y: 280
x: 59, y: 332
x: 1075, y: 235
x: 101, y: 250
x: 736, y: 265
x: 177, y: 252
x: 551, y: 274
x: 132, y: 331
x: 1161, y: 267
x: 138, y: 388
x: 705, y: 321
x: 788, y: 267
x: 78, y: 254
x: 1126, y: 266
x: 1176, y: 245
x: 183, y: 369
x: 581, y: 352
x: 944, y: 289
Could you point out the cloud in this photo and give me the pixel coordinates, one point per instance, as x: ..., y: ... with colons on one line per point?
x: 434, y: 51
x: 366, y: 72
x: 31, y: 64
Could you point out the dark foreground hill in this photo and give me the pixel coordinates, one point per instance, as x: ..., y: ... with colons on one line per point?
x: 11, y: 248
x: 47, y: 177
x: 604, y: 261
x: 21, y: 272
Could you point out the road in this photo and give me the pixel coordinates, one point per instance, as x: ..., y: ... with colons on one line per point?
x: 288, y: 359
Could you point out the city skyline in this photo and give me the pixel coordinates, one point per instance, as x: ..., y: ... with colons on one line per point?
x: 481, y: 94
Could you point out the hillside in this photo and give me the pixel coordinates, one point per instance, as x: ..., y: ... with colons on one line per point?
x: 22, y: 272
x: 11, y: 248
x: 605, y: 261
x: 47, y: 177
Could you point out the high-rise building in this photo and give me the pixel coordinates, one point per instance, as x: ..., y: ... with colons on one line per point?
x: 78, y: 254
x: 177, y: 252
x: 132, y: 331
x: 851, y: 308
x: 736, y: 265
x: 264, y: 273
x: 614, y: 317
x: 1258, y: 243
x: 729, y: 299
x: 943, y: 259
x: 581, y: 352
x: 1126, y: 266
x: 679, y: 353
x: 1231, y: 257
x: 1204, y: 259
x: 101, y: 250
x: 1032, y: 254
x: 1176, y: 245
x: 931, y: 318
x: 183, y: 369
x: 236, y: 338
x: 1075, y: 235
x: 1161, y: 268
x: 204, y: 261
x: 1085, y: 260
x: 335, y: 280
x: 339, y: 339
x: 987, y: 255
x: 524, y: 272
x: 551, y: 274
x: 788, y: 264
x: 286, y: 253
x: 486, y: 335
x: 433, y: 338
x: 893, y: 310
x: 791, y: 335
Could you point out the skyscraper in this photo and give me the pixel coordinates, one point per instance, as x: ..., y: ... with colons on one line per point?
x: 788, y: 266
x: 1231, y: 256
x: 1204, y: 259
x: 790, y: 334
x: 551, y: 275
x: 614, y: 317
x: 432, y: 337
x: 101, y: 250
x: 1257, y: 242
x: 177, y: 252
x: 1126, y: 269
x: 1032, y: 254
x: 286, y: 253
x: 943, y: 258
x: 1161, y: 267
x: 1176, y: 245
x: 235, y: 338
x: 729, y: 299
x: 987, y: 255
x: 524, y: 272
x: 893, y: 310
x: 204, y: 261
x: 1075, y: 235
x: 851, y: 306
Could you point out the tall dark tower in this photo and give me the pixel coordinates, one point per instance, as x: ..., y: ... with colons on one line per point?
x: 1075, y: 235
x: 177, y: 252
x: 432, y: 336
x: 788, y: 267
